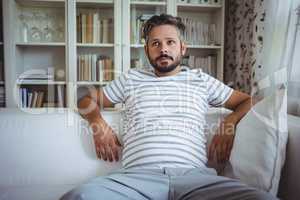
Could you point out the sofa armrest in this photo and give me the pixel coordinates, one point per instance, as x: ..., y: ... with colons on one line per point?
x: 289, y: 188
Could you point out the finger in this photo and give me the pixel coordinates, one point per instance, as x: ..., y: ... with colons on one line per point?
x: 212, y: 149
x: 224, y: 152
x: 116, y: 140
x: 109, y: 153
x: 103, y: 153
x: 230, y: 145
x: 116, y: 153
x: 98, y: 152
x: 219, y: 153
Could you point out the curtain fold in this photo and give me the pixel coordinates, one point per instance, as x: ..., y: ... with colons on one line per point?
x: 262, y: 48
x: 243, y: 42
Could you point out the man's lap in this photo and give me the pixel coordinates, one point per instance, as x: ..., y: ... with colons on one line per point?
x: 164, y: 184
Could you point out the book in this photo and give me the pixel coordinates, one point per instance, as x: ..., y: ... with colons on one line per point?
x: 29, y: 102
x: 95, y: 28
x: 89, y: 28
x: 60, y: 95
x: 94, y: 66
x: 105, y: 26
x: 83, y: 27
x: 40, y: 99
x: 78, y: 28
x: 34, y: 101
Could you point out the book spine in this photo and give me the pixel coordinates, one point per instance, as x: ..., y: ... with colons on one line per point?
x: 83, y: 27
x: 105, y: 30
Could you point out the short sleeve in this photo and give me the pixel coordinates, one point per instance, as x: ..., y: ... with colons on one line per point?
x: 115, y: 90
x: 218, y: 92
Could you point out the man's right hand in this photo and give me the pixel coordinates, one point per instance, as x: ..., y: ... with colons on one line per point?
x: 106, y: 142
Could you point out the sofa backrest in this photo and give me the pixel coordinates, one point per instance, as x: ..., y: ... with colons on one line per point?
x: 47, y: 149
x: 56, y: 148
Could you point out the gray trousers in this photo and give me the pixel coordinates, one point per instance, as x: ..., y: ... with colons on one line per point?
x: 165, y: 184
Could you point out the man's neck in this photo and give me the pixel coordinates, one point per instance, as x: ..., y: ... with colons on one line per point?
x: 171, y: 73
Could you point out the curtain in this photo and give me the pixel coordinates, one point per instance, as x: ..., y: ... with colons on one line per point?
x: 262, y: 48
x: 243, y: 42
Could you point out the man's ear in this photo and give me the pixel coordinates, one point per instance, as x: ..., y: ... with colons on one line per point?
x: 146, y: 49
x: 183, y: 48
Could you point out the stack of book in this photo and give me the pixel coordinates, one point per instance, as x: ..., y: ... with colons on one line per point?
x: 208, y: 64
x: 93, y: 29
x: 31, y: 98
x: 92, y: 67
x: 199, y: 33
x: 137, y: 23
x: 37, y: 75
x: 2, y: 96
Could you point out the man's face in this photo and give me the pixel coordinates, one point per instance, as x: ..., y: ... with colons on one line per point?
x: 164, y: 48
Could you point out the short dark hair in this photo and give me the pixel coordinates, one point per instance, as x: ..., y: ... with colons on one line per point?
x: 163, y: 19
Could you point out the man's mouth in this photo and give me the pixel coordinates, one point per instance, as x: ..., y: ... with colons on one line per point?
x: 164, y: 58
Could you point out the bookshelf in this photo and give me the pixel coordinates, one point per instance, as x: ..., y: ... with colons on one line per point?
x: 204, y: 34
x: 76, y: 45
x: 98, y: 44
x: 207, y: 17
x: 35, y: 33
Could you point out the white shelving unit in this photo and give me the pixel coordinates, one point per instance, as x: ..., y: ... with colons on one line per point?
x: 213, y: 13
x: 133, y: 51
x: 62, y: 50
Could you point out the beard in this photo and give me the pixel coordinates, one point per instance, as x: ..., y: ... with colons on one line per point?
x: 168, y: 68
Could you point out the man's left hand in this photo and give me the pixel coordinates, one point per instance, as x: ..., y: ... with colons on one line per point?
x: 222, y: 142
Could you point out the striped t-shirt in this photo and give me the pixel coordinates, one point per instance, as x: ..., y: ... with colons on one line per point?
x: 165, y: 116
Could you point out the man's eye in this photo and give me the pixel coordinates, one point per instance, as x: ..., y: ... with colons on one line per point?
x: 171, y: 42
x: 155, y: 43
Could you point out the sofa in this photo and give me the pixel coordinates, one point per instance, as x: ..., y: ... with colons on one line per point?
x: 46, y: 152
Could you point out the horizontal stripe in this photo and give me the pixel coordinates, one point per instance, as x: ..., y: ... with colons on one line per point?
x: 166, y: 163
x: 197, y: 147
x: 188, y: 152
x: 165, y: 115
x: 157, y: 131
x: 144, y: 157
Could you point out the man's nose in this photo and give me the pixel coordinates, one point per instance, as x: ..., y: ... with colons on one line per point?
x: 164, y: 49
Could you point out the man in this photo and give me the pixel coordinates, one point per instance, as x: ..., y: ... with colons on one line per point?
x: 164, y: 147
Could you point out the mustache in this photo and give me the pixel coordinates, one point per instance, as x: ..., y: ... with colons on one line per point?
x: 164, y: 56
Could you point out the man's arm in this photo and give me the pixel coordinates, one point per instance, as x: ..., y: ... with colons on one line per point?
x: 106, y: 142
x: 221, y: 145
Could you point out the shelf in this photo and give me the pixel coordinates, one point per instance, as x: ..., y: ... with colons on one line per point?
x: 2, y: 82
x: 42, y: 3
x: 203, y: 47
x: 95, y: 3
x: 46, y: 44
x: 137, y: 45
x: 92, y: 83
x: 148, y: 3
x: 197, y: 7
x: 1, y: 43
x: 45, y: 110
x: 94, y: 45
x: 39, y: 82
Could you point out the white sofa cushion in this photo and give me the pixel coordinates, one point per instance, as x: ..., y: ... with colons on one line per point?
x: 44, y: 155
x: 258, y: 152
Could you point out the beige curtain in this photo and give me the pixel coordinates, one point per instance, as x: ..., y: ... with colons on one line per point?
x: 243, y: 42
